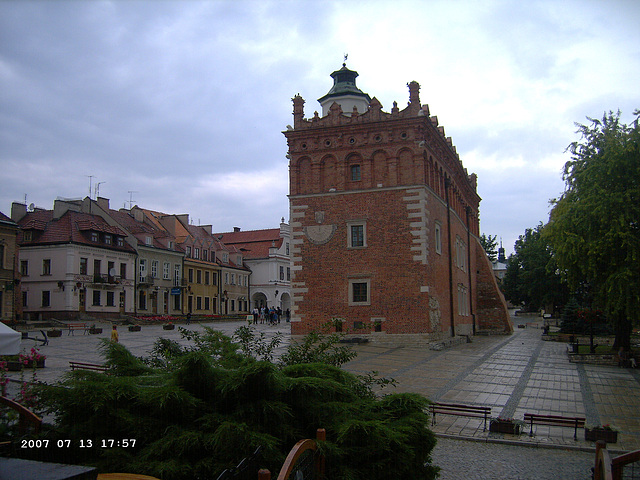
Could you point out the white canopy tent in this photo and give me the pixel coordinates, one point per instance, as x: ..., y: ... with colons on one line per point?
x: 9, y: 340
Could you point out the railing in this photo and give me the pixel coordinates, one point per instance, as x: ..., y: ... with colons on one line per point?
x: 303, y: 461
x: 27, y: 417
x: 607, y: 468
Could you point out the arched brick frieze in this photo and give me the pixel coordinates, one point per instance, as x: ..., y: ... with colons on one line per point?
x: 406, y: 173
x: 380, y: 169
x: 304, y: 176
x: 328, y: 173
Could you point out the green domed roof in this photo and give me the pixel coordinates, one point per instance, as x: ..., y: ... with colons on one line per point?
x: 344, y: 83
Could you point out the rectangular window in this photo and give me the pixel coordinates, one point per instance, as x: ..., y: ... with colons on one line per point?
x: 355, y: 173
x: 154, y: 268
x: 142, y: 269
x: 438, y: 239
x: 25, y: 297
x: 94, y: 237
x: 123, y: 271
x: 188, y: 252
x: 24, y: 268
x: 198, y: 303
x: 96, y: 267
x: 196, y: 253
x: 176, y: 275
x: 287, y: 248
x: 46, y: 298
x: 198, y: 276
x: 190, y: 275
x: 226, y: 278
x: 206, y: 303
x: 281, y: 272
x: 46, y: 266
x: 28, y: 236
x: 83, y: 266
x: 359, y: 292
x: 166, y: 266
x: 107, y: 239
x: 288, y: 274
x: 357, y: 232
x: 204, y: 255
x: 206, y: 277
x: 110, y: 299
x: 120, y: 241
x: 96, y: 298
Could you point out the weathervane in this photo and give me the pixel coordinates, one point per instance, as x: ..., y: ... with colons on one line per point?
x: 346, y: 55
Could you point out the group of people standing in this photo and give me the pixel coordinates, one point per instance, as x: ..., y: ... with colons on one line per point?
x: 271, y: 316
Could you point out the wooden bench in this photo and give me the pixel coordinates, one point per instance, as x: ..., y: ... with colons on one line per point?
x: 460, y: 410
x: 554, y: 421
x: 77, y: 326
x: 88, y: 366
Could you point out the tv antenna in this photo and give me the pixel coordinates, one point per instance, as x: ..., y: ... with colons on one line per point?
x: 91, y: 177
x: 97, y: 189
x: 131, y: 192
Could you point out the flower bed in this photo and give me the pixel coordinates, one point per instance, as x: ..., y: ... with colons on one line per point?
x: 605, y: 433
x: 505, y: 425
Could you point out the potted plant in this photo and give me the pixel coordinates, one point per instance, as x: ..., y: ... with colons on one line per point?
x: 168, y: 326
x: 95, y: 330
x: 135, y: 328
x: 505, y: 425
x: 601, y: 432
x: 54, y: 332
x: 12, y: 363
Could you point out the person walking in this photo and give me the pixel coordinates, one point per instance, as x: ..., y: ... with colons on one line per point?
x: 114, y: 334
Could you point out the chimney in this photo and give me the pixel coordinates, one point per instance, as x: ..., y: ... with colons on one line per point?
x: 18, y: 211
x: 236, y: 229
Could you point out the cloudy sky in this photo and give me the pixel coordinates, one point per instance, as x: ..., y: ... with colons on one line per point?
x: 179, y: 106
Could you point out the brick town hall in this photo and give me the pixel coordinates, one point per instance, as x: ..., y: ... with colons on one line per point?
x: 384, y: 222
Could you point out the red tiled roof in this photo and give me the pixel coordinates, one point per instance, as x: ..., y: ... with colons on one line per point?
x: 69, y: 228
x: 253, y: 243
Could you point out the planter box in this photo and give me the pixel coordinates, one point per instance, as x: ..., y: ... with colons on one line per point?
x: 16, y: 365
x: 135, y: 328
x: 95, y: 331
x: 54, y: 333
x: 168, y: 327
x: 511, y: 428
x: 595, y: 434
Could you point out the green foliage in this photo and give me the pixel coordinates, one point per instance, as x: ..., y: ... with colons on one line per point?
x: 594, y: 226
x: 532, y: 278
x: 317, y: 348
x: 196, y: 410
x: 490, y: 246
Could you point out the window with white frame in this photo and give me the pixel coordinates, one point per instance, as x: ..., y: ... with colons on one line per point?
x: 196, y: 253
x: 166, y: 273
x: 154, y: 268
x: 142, y: 269
x: 176, y: 275
x: 356, y: 234
x: 46, y: 266
x: 438, y: 238
x: 46, y: 298
x: 359, y: 291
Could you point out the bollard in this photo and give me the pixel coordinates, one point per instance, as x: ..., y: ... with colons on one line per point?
x: 264, y: 474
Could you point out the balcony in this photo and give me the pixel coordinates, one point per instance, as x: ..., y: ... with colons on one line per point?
x: 146, y: 280
x: 106, y: 280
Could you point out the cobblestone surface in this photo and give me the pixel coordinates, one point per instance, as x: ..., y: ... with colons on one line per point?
x: 471, y: 460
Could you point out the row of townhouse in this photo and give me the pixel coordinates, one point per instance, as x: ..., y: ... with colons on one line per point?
x: 83, y: 257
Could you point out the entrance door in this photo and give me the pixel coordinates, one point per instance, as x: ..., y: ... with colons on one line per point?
x: 82, y: 296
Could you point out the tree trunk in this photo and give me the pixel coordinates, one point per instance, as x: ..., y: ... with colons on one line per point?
x: 623, y: 332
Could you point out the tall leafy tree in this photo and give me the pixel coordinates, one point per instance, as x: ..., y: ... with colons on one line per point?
x: 532, y: 276
x: 490, y: 245
x: 594, y: 226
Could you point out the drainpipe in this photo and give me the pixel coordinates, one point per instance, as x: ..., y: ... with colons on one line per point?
x: 467, y: 210
x: 447, y: 185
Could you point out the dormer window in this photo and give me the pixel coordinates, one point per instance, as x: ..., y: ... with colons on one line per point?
x: 120, y: 241
x: 28, y: 236
x: 94, y: 237
x: 107, y: 239
x: 188, y: 252
x: 148, y: 241
x: 225, y: 257
x: 196, y: 253
x: 170, y: 244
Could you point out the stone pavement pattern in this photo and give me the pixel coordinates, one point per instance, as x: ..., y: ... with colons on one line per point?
x: 512, y: 374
